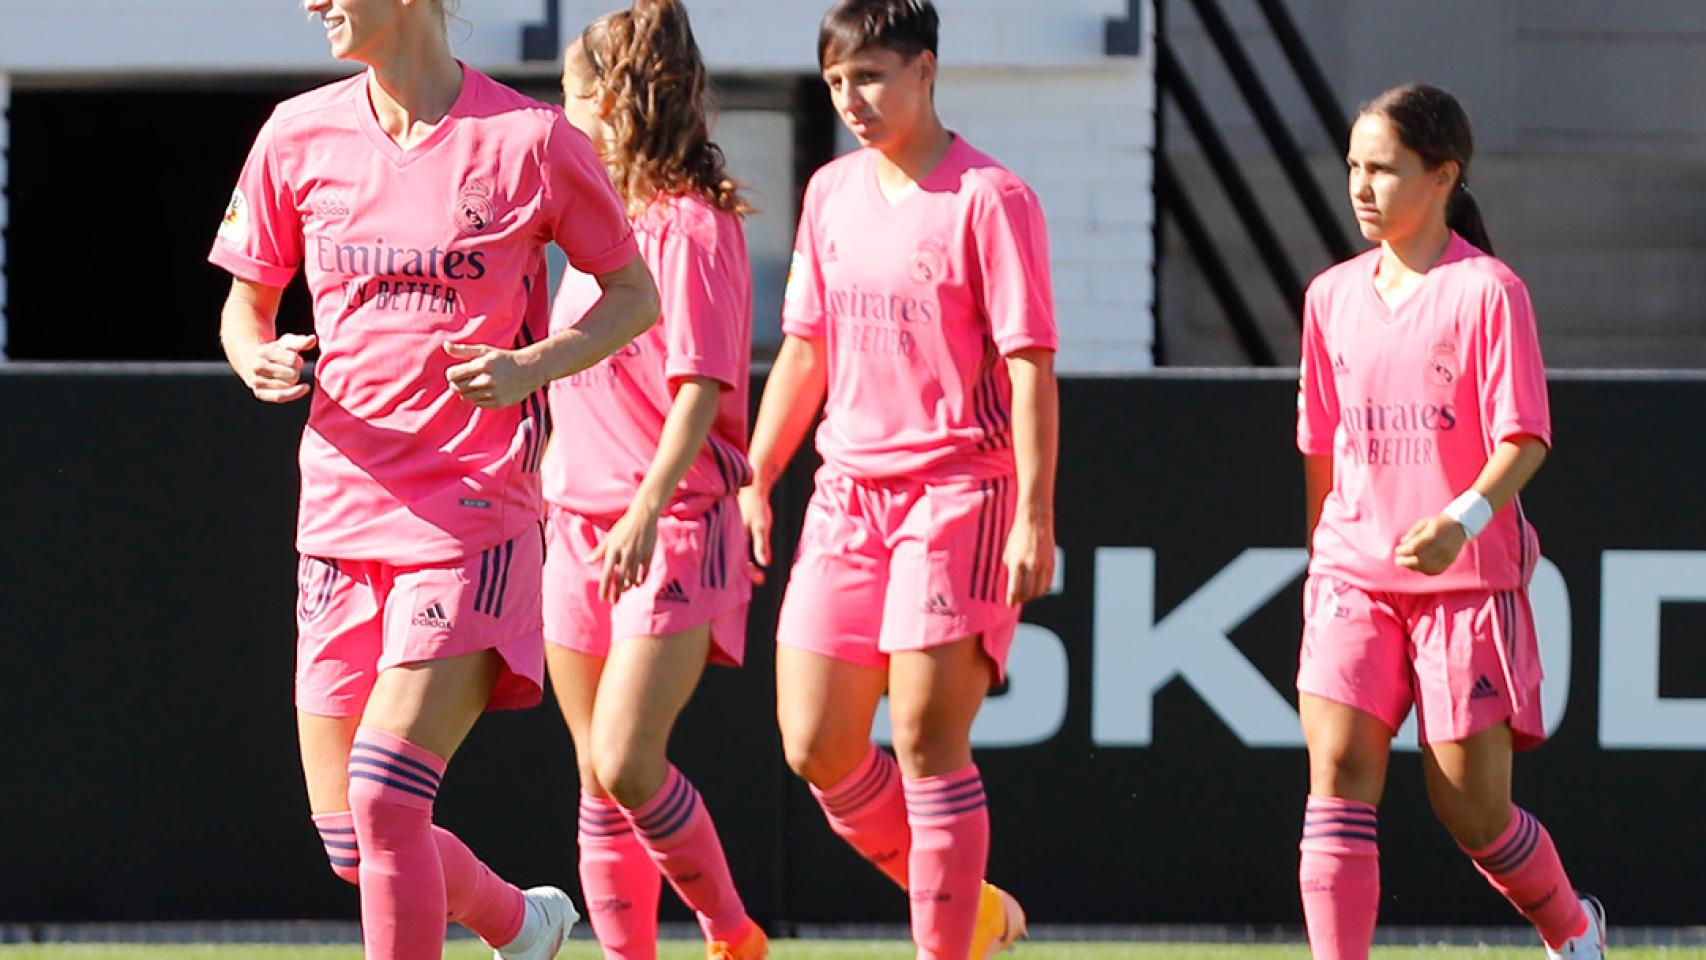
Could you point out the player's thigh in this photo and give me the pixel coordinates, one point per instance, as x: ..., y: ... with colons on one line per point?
x: 433, y: 704
x: 325, y: 745
x: 1348, y: 749
x: 1469, y: 784
x: 934, y: 695
x: 825, y: 706
x: 647, y: 682
x: 574, y: 682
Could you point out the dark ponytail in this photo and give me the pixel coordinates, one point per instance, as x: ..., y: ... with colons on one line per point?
x: 1432, y: 123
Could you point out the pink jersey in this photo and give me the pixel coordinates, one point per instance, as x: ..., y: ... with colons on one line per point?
x: 917, y: 301
x: 606, y: 420
x: 405, y: 251
x: 1410, y: 402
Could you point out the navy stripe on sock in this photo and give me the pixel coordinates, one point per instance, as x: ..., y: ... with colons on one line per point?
x: 964, y: 808
x: 685, y: 814
x: 1368, y: 835
x: 666, y: 811
x: 400, y: 758
x: 383, y: 769
x: 1368, y: 820
x: 945, y: 797
x: 860, y: 793
x: 1518, y: 850
x: 343, y: 862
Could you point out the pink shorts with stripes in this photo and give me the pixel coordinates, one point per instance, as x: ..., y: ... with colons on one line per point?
x: 886, y: 566
x: 697, y: 576
x: 355, y: 618
x: 1467, y: 659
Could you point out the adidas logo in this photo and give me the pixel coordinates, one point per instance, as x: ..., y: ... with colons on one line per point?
x: 433, y: 616
x: 1339, y: 364
x: 673, y: 593
x: 829, y: 255
x: 939, y: 606
x: 1483, y: 689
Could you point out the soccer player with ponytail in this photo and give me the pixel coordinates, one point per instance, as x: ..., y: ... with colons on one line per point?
x: 1422, y: 413
x: 644, y: 579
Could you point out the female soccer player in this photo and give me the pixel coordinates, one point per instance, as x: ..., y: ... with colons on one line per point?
x: 1422, y: 413
x: 417, y: 197
x: 644, y: 541
x: 919, y: 302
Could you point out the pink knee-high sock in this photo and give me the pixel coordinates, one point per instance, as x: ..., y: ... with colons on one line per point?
x: 1338, y: 873
x: 868, y: 810
x: 392, y: 787
x: 1523, y: 865
x: 474, y: 896
x: 679, y: 836
x: 620, y: 883
x: 949, y: 818
x: 337, y: 835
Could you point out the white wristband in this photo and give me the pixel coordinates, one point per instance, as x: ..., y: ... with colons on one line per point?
x: 1471, y: 511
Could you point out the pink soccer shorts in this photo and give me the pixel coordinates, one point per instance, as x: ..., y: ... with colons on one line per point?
x: 355, y: 618
x: 887, y: 566
x: 1467, y: 659
x: 697, y: 576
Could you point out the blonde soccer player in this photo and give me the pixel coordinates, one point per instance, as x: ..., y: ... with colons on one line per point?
x: 417, y: 198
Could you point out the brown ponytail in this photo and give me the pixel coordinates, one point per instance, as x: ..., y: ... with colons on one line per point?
x: 646, y: 61
x: 1432, y: 123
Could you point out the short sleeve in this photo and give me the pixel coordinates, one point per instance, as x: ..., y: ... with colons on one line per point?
x: 802, y: 299
x: 1513, y: 382
x: 1317, y: 393
x: 704, y: 332
x: 586, y: 217
x: 260, y: 236
x: 1014, y: 288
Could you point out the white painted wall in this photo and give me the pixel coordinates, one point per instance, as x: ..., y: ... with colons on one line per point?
x: 1027, y: 82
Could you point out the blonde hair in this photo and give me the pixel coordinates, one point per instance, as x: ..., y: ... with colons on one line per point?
x: 645, y: 60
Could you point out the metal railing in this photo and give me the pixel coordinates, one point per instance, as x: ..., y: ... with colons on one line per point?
x: 1177, y: 89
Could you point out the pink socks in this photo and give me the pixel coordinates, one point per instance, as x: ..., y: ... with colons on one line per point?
x: 949, y: 819
x: 412, y: 874
x: 868, y: 810
x: 1339, y: 876
x: 619, y: 881
x: 1523, y: 865
x: 678, y: 834
x: 337, y: 835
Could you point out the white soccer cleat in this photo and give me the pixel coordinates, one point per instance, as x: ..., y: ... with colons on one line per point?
x: 545, y: 927
x: 1591, y: 944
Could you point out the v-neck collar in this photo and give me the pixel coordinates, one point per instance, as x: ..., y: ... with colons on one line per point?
x: 1455, y: 249
x: 874, y: 186
x: 368, y: 119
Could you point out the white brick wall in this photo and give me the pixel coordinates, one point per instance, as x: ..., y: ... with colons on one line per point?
x: 1081, y: 136
x: 1027, y: 82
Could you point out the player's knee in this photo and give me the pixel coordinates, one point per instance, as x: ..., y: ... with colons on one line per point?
x: 818, y: 759
x: 921, y: 746
x: 1345, y: 774
x: 1474, y: 822
x: 630, y: 779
